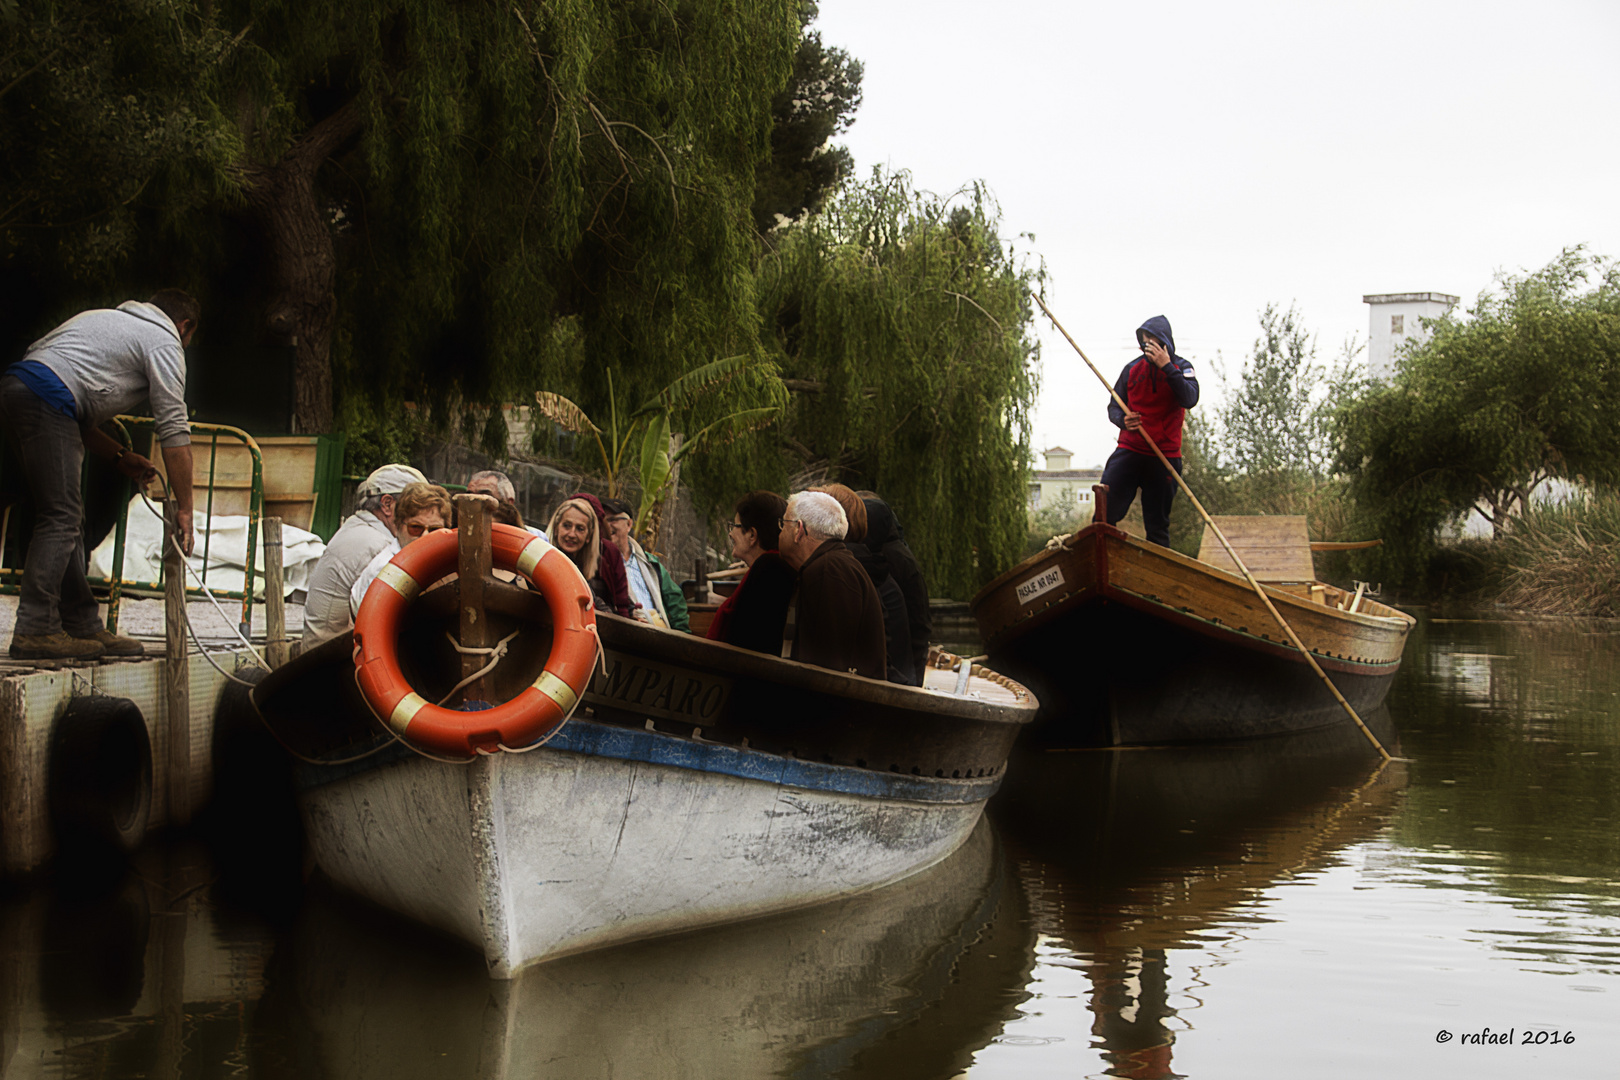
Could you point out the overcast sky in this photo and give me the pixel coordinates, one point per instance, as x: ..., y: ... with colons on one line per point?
x: 1203, y: 160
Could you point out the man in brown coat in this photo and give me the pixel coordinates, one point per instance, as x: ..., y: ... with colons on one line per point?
x: 838, y: 618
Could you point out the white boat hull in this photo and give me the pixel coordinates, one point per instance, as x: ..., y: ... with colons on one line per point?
x: 556, y: 851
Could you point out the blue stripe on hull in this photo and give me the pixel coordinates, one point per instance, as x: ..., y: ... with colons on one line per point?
x: 656, y: 748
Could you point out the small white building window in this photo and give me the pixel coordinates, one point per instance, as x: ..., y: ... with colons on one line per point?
x: 1397, y: 324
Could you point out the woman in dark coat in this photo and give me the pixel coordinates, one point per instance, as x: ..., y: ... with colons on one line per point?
x: 886, y: 538
x: 896, y: 618
x: 752, y: 617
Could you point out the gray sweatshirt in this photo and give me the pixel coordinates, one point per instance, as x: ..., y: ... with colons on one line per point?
x: 110, y: 360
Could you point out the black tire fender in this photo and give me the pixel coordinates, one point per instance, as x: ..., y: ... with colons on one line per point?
x: 99, y: 776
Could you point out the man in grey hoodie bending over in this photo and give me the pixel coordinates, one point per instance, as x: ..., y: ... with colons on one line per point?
x: 52, y: 405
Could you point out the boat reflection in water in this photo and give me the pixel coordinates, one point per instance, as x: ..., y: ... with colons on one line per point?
x: 907, y: 981
x: 1115, y: 864
x: 1128, y: 854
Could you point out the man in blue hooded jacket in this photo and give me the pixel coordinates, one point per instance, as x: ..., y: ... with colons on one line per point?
x: 1158, y: 388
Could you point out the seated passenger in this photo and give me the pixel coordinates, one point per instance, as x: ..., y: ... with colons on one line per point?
x: 576, y: 529
x: 885, y: 537
x: 367, y: 531
x: 657, y: 598
x: 838, y: 618
x: 896, y: 621
x: 498, y: 486
x: 421, y: 509
x: 753, y: 615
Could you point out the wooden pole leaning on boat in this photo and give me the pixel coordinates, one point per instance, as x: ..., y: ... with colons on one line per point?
x: 1259, y: 590
x: 474, y: 515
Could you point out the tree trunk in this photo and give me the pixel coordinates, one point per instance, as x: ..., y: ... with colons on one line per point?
x: 301, y: 308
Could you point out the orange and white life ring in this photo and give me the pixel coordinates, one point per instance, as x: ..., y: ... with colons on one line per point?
x: 525, y: 720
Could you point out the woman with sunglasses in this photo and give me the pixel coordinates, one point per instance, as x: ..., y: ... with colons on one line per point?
x: 418, y: 510
x: 752, y: 617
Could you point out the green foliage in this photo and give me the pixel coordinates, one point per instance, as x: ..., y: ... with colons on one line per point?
x: 1269, y: 448
x: 712, y: 404
x: 1563, y: 558
x: 526, y: 161
x: 1525, y: 388
x: 1059, y: 518
x: 432, y: 188
x: 817, y: 104
x: 1277, y: 420
x: 905, y: 328
x: 105, y: 132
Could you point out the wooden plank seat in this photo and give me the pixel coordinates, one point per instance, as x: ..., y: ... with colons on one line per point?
x: 1275, y: 548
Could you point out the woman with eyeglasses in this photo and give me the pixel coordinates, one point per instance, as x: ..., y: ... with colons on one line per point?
x: 752, y: 617
x: 418, y: 510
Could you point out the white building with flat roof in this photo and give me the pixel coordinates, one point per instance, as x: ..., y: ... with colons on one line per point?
x: 1396, y: 321
x: 1047, y: 486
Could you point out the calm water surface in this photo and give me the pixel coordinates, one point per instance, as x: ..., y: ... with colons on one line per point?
x: 1269, y: 911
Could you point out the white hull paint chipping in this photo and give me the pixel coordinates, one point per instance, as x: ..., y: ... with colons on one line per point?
x: 543, y: 854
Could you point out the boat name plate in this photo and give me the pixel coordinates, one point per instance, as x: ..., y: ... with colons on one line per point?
x: 657, y: 689
x: 1043, y: 582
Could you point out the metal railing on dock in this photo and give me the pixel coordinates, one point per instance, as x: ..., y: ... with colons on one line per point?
x: 116, y: 584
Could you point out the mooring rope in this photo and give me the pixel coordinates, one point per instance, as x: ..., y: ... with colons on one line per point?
x: 496, y: 654
x: 185, y: 616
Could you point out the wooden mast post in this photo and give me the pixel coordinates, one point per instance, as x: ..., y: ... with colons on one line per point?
x: 474, y: 516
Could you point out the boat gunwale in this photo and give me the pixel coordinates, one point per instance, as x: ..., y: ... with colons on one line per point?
x: 723, y: 660
x: 1098, y: 529
x: 585, y: 737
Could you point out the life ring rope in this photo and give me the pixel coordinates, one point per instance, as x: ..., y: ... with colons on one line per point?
x: 515, y: 726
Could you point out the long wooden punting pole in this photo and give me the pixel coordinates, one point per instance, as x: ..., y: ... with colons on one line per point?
x: 1259, y: 590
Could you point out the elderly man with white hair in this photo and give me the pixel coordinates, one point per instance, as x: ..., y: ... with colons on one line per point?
x: 367, y: 531
x: 498, y: 486
x: 837, y: 619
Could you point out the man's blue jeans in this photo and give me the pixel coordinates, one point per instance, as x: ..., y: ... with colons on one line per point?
x: 55, y: 594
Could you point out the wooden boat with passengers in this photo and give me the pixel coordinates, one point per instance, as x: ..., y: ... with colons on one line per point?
x: 1126, y: 642
x: 667, y: 784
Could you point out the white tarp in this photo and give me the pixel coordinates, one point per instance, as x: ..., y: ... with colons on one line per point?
x: 226, y: 539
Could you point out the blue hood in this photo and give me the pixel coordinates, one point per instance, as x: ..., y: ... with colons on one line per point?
x: 1159, y: 327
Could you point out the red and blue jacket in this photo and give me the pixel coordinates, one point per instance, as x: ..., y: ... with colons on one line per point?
x: 1162, y: 397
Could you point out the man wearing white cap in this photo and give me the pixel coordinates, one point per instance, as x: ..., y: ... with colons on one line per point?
x: 366, y: 532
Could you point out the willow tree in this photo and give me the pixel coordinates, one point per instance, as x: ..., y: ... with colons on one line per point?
x: 905, y: 332
x: 434, y: 200
x: 436, y: 184
x: 108, y: 142
x: 1522, y: 390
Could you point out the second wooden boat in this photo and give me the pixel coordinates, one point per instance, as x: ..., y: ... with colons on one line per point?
x: 1126, y: 642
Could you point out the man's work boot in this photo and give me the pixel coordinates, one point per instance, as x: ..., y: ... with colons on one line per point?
x: 112, y: 644
x: 57, y: 646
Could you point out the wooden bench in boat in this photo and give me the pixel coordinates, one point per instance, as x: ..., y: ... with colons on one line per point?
x: 1277, y: 550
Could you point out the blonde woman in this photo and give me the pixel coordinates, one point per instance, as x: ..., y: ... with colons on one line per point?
x: 576, y: 530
